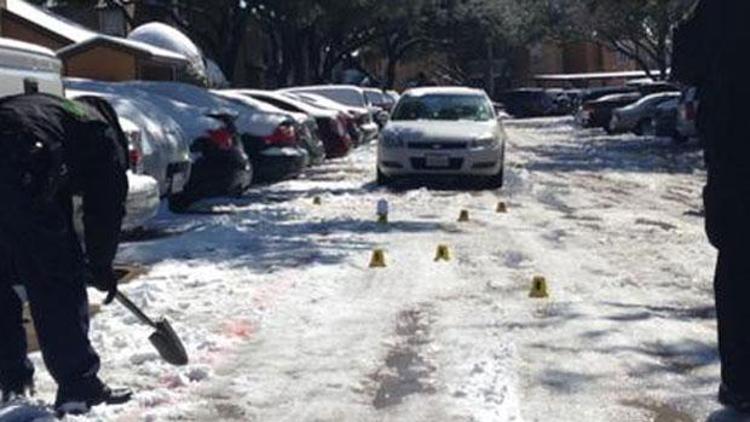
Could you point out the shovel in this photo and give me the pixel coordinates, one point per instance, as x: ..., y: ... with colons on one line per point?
x: 164, y: 339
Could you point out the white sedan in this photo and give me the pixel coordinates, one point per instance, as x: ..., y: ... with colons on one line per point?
x: 443, y: 131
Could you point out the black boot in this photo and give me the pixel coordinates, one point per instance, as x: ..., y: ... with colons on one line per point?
x: 15, y: 390
x: 739, y: 403
x: 72, y: 404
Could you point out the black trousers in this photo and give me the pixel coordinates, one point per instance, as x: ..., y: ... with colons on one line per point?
x: 732, y: 287
x: 39, y: 249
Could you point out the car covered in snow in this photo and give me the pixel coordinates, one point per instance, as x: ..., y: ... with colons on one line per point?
x: 219, y: 164
x: 353, y: 99
x: 443, y: 131
x: 159, y: 148
x: 638, y: 117
x: 269, y: 138
x: 352, y: 126
x: 331, y: 124
x: 306, y: 127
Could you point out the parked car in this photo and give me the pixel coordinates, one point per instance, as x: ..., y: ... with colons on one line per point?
x: 383, y: 102
x: 331, y: 124
x: 528, y: 102
x: 352, y: 126
x: 269, y: 138
x: 592, y: 94
x: 27, y: 68
x: 306, y: 126
x: 638, y: 117
x: 353, y: 98
x: 649, y: 86
x: 598, y: 113
x: 164, y: 151
x: 665, y: 119
x: 443, y: 131
x: 687, y: 115
x: 219, y: 164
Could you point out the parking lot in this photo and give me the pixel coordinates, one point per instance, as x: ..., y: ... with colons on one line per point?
x: 284, y: 319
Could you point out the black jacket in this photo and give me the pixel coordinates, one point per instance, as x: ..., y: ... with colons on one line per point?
x: 710, y: 53
x: 60, y: 147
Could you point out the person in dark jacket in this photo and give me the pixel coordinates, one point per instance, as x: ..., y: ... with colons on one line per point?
x: 711, y: 54
x: 53, y: 149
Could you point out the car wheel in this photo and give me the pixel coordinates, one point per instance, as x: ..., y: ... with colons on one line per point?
x: 496, y: 181
x: 179, y: 203
x: 646, y: 127
x: 382, y: 179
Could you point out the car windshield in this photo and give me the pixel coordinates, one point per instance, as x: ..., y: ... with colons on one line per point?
x: 443, y: 107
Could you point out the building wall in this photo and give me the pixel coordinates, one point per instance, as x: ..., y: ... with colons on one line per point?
x: 580, y: 57
x: 12, y: 28
x: 102, y: 63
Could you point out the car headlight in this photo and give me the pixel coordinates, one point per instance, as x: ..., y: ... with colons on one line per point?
x: 484, y: 142
x: 391, y: 141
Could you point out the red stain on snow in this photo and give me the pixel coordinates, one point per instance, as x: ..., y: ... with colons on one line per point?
x: 240, y: 328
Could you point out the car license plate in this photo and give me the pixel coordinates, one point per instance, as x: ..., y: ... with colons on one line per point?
x: 437, y: 161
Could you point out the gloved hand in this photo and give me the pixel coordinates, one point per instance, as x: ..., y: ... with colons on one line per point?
x: 103, y: 278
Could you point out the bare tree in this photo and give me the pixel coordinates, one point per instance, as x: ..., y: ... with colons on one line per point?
x: 639, y: 29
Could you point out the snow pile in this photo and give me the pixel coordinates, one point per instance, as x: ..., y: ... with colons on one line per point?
x: 170, y: 38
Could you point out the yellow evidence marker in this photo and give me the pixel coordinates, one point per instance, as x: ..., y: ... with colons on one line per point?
x: 539, y: 288
x: 443, y: 253
x: 378, y: 259
x: 464, y: 216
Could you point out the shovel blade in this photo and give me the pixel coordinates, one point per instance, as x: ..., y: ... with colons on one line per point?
x: 168, y: 344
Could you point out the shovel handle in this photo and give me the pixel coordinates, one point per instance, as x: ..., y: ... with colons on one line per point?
x: 132, y: 307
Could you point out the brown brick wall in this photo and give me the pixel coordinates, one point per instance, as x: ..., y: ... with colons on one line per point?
x: 102, y: 63
x: 18, y: 30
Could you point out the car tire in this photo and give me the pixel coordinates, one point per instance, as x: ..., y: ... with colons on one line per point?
x: 496, y: 181
x: 646, y: 127
x: 382, y: 179
x: 179, y: 203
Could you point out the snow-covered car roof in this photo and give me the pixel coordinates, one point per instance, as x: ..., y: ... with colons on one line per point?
x: 301, y: 105
x: 348, y: 95
x: 166, y: 37
x: 261, y: 106
x: 445, y: 90
x: 171, y: 39
x: 25, y: 47
x: 252, y: 121
x: 191, y: 119
x: 327, y: 103
x: 51, y: 22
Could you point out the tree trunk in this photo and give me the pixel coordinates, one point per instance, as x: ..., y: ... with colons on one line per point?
x: 489, y: 84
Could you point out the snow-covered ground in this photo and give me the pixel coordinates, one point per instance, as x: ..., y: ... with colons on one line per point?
x: 284, y: 321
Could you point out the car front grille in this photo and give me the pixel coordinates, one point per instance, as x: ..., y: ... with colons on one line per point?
x: 438, y: 146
